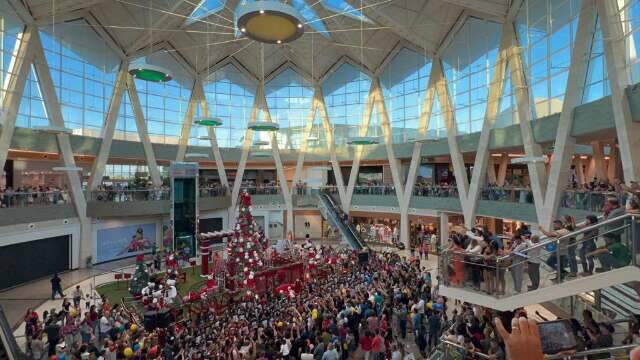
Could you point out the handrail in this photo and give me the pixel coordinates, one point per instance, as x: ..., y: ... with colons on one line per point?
x: 582, y: 354
x: 574, y: 233
x: 339, y: 223
x: 458, y: 346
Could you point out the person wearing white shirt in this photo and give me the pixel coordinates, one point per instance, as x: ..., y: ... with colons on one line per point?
x: 474, y: 250
x: 533, y: 266
x: 105, y: 327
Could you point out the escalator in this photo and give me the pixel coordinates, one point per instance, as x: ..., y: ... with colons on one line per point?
x: 330, y: 212
x: 617, y: 265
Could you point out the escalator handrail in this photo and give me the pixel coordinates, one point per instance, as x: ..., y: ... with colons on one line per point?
x: 339, y: 222
x: 348, y: 226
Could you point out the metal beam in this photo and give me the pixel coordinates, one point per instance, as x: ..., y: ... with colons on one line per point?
x: 315, y: 103
x: 63, y: 8
x: 141, y: 125
x: 111, y: 118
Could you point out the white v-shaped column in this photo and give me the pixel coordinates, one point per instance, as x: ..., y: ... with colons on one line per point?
x: 260, y: 104
x: 416, y: 157
x: 548, y: 189
x: 213, y: 139
x: 187, y: 122
x: 355, y: 165
x: 318, y: 106
x: 546, y: 202
x: 111, y: 119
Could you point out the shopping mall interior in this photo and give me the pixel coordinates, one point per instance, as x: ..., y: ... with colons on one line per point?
x: 319, y: 179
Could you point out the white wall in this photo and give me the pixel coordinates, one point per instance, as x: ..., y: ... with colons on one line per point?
x: 315, y: 231
x: 21, y: 233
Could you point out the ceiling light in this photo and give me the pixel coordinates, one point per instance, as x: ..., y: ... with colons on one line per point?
x: 208, y: 121
x: 363, y: 140
x: 269, y: 21
x: 150, y: 72
x: 195, y: 155
x: 424, y: 139
x: 264, y: 126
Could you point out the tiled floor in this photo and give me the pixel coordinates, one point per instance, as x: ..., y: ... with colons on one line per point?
x: 17, y: 300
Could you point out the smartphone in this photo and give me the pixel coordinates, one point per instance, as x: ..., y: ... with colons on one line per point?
x: 556, y: 336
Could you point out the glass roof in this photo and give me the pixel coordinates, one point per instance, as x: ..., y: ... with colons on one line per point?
x: 206, y: 8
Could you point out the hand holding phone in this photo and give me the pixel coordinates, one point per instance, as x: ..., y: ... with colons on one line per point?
x: 523, y: 343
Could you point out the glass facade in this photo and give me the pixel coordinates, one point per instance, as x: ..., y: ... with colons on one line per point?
x: 404, y: 84
x: 164, y: 104
x: 84, y: 70
x: 597, y: 83
x: 11, y: 28
x: 468, y: 67
x: 289, y: 98
x: 230, y: 95
x: 547, y: 30
x: 345, y: 93
x: 629, y: 14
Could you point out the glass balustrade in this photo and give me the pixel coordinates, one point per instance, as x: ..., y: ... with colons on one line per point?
x: 27, y: 199
x: 606, y: 246
x: 122, y: 195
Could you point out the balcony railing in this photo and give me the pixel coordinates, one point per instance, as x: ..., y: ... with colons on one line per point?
x: 374, y: 190
x: 129, y: 195
x: 519, y: 195
x: 448, y: 350
x: 262, y: 190
x: 27, y: 199
x: 210, y: 192
x: 615, y: 242
x: 435, y: 191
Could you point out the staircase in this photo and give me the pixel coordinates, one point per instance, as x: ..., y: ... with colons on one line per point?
x: 330, y: 212
x: 554, y: 257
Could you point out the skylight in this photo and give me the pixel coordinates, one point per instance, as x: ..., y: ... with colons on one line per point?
x: 204, y: 9
x: 310, y: 16
x: 342, y: 7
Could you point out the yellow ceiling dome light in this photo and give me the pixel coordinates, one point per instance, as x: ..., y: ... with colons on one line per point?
x: 269, y: 22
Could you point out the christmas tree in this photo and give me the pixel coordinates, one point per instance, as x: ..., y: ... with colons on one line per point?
x: 140, y: 277
x: 246, y: 247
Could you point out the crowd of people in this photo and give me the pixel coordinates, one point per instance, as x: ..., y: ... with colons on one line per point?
x: 429, y: 189
x: 374, y: 188
x: 376, y: 310
x: 479, y: 258
x: 301, y: 188
x: 268, y: 187
x: 24, y: 196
